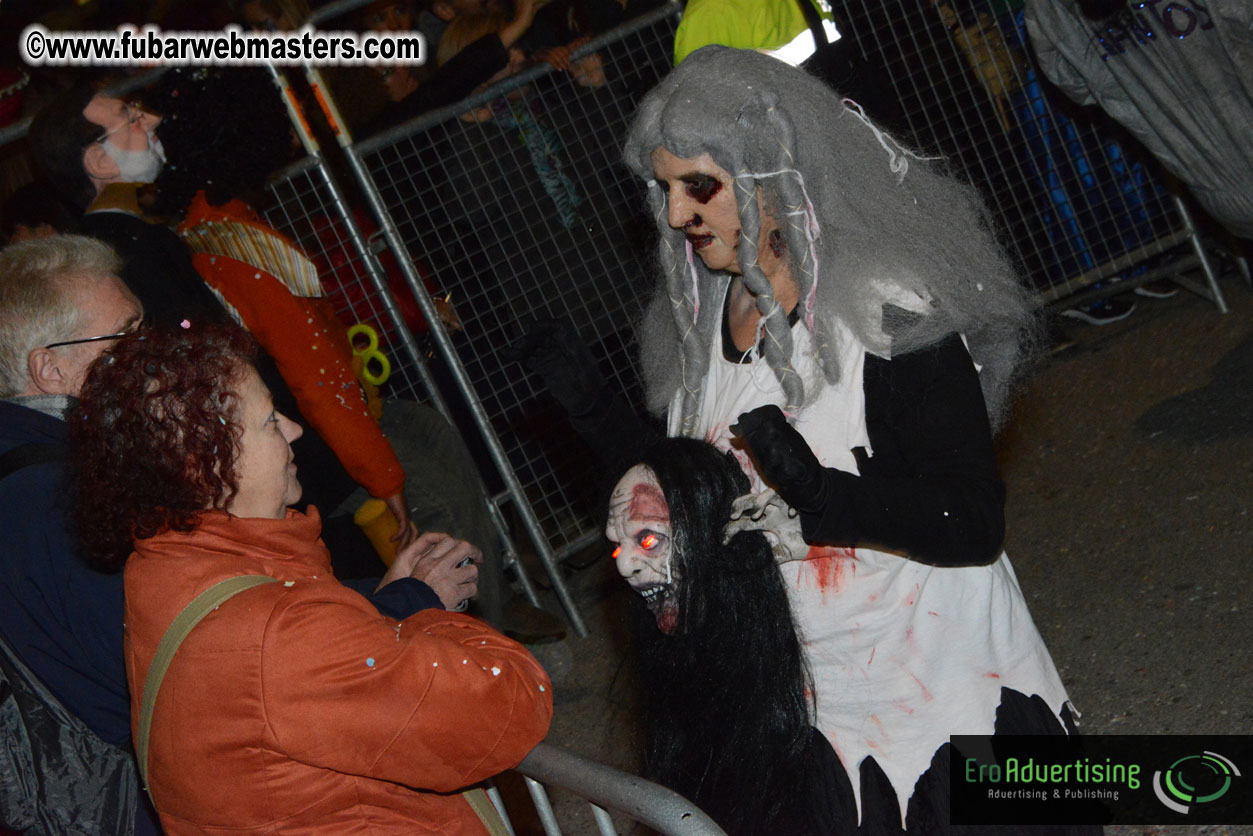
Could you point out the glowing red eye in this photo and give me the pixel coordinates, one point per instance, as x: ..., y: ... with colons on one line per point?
x: 649, y: 541
x: 614, y: 554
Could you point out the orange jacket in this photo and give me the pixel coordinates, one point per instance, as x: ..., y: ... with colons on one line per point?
x: 297, y: 708
x: 302, y: 334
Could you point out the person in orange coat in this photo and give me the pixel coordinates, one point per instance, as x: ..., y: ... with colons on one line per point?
x: 226, y: 130
x: 295, y: 707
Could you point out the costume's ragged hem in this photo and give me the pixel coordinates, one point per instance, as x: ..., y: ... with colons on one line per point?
x: 926, y: 811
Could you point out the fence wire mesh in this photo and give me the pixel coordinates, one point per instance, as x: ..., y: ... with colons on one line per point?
x: 303, y: 208
x: 1068, y: 190
x: 519, y: 208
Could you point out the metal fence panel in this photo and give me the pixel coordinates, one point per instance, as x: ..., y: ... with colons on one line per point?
x: 517, y: 204
x: 1069, y: 193
x: 303, y: 208
x: 366, y: 287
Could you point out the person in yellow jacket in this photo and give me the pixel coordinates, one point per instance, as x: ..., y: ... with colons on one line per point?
x: 777, y: 27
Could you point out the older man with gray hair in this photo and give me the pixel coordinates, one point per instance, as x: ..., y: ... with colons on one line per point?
x: 61, y: 305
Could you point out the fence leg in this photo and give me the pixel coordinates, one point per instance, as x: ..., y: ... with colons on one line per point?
x: 499, y: 803
x: 1216, y: 294
x: 545, y: 809
x: 603, y: 821
x: 512, y: 558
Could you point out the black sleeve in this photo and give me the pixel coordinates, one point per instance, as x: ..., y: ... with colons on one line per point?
x: 930, y: 491
x: 614, y: 430
x: 399, y: 599
x: 452, y: 82
x: 157, y: 267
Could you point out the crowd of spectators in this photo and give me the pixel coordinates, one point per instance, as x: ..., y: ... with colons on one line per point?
x: 178, y: 261
x: 180, y: 408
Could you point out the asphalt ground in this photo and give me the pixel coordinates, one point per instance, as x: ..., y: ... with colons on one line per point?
x: 1129, y: 467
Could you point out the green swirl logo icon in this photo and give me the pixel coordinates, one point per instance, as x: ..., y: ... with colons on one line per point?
x: 1194, y: 780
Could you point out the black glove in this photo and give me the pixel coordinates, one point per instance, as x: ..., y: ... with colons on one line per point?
x: 552, y: 349
x: 783, y: 458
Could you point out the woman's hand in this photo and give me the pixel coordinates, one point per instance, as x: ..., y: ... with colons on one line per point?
x: 436, y: 559
x: 783, y: 457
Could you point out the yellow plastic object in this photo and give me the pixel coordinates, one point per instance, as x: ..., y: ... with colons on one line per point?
x: 372, y: 400
x: 370, y: 354
x: 380, y: 526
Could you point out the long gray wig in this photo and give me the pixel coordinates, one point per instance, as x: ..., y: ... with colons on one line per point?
x: 878, y: 238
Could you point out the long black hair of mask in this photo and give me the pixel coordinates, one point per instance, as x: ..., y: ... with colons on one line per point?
x: 724, y: 695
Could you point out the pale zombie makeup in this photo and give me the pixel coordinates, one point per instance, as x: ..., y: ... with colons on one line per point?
x: 639, y: 528
x: 701, y: 203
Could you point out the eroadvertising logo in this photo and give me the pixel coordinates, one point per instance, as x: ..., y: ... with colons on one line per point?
x: 1194, y: 780
x: 1123, y: 779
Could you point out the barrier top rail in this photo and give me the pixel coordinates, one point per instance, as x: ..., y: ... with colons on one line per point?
x: 664, y: 810
x: 422, y: 122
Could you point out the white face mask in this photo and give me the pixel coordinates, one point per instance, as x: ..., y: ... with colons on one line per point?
x: 639, y: 527
x: 137, y: 166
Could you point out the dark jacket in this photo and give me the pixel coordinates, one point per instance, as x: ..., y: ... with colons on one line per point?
x: 62, y: 619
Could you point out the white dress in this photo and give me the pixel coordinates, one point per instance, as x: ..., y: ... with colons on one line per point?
x: 903, y: 654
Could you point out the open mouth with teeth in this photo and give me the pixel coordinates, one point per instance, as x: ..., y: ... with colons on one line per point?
x: 662, y: 601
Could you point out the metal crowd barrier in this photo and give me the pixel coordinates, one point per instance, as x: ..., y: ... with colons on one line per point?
x: 515, y: 201
x: 308, y: 206
x: 523, y: 212
x: 1075, y: 203
x: 605, y: 788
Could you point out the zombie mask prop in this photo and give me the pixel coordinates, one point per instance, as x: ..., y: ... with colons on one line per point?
x: 639, y: 527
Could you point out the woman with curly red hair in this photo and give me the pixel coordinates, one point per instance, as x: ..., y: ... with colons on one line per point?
x: 294, y: 706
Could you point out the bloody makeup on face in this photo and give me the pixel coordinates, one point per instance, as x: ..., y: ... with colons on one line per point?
x: 700, y: 187
x: 777, y: 245
x: 639, y: 527
x: 701, y: 205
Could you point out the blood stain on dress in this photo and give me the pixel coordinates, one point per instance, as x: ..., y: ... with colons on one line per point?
x: 828, y: 566
x: 909, y: 602
x: 926, y: 695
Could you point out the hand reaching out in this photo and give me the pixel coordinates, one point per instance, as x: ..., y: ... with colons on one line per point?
x: 783, y: 457
x: 524, y: 16
x: 768, y: 513
x: 435, y: 558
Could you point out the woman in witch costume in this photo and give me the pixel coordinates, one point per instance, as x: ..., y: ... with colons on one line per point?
x: 835, y: 311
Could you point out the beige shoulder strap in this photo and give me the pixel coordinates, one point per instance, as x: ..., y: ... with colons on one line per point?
x: 201, y: 605
x: 487, y: 812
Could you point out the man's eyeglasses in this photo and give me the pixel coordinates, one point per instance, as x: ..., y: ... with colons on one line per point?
x: 116, y: 336
x: 133, y: 113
